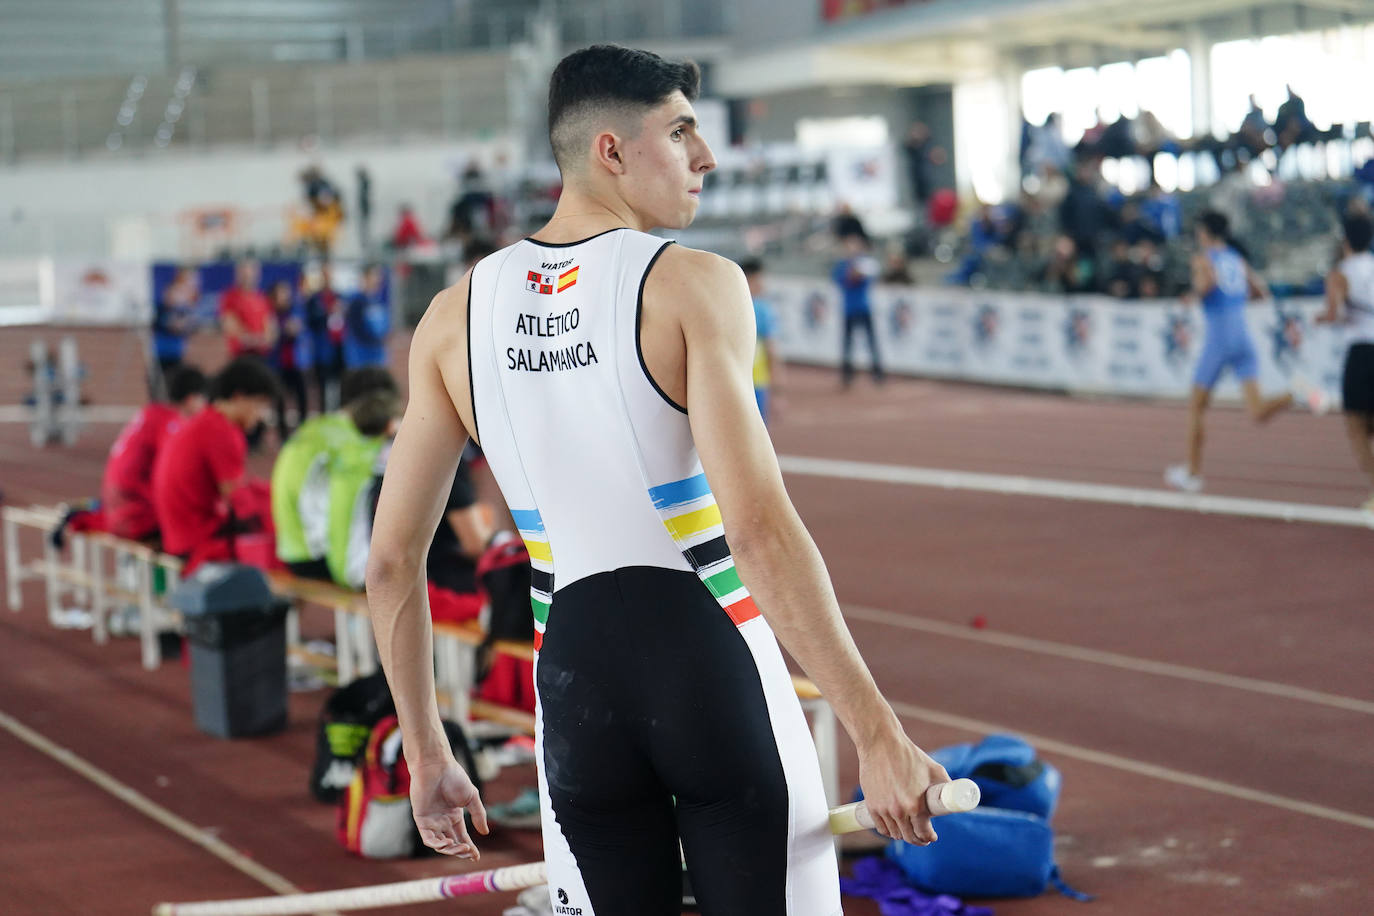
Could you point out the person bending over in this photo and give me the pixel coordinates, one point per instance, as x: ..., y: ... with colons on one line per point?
x: 126, y: 489
x: 300, y: 476
x: 203, y: 462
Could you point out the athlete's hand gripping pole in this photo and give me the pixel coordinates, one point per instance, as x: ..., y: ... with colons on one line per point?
x: 954, y: 797
x: 941, y: 798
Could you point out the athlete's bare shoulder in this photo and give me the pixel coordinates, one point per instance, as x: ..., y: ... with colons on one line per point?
x: 445, y: 322
x: 690, y: 283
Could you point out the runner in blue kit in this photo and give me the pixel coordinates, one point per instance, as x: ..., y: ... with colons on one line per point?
x: 607, y: 375
x: 1224, y: 282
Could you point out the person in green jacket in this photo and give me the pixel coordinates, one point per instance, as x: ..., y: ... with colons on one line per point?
x: 356, y: 469
x: 301, y: 475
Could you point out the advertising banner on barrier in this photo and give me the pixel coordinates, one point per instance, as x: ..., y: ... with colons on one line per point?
x: 1075, y: 343
x: 100, y: 292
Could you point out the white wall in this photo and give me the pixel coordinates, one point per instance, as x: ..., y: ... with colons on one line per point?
x: 129, y: 207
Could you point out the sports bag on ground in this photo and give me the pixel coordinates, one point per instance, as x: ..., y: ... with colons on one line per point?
x: 1004, y: 847
x: 345, y: 723
x: 374, y: 818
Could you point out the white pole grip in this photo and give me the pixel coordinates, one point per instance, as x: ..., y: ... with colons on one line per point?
x: 941, y: 798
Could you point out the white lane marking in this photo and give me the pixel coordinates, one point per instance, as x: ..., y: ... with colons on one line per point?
x: 1138, y: 767
x: 95, y: 413
x: 146, y: 806
x: 1082, y: 492
x: 1111, y: 659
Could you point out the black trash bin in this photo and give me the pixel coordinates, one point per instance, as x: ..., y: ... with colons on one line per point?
x: 237, y: 631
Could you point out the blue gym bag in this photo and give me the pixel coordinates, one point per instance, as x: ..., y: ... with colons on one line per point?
x: 1003, y: 848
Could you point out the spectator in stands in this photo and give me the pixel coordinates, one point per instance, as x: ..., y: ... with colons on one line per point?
x: 1254, y: 129
x: 1046, y: 146
x: 324, y: 318
x: 325, y: 210
x: 847, y: 225
x: 1069, y: 270
x: 1121, y: 278
x: 1231, y: 197
x: 364, y: 184
x: 126, y: 489
x: 1290, y: 124
x: 896, y: 269
x: 1084, y: 216
x: 473, y: 211
x: 174, y: 321
x: 354, y: 482
x: 1136, y: 227
x: 407, y: 233
x: 203, y: 462
x: 1161, y: 209
x: 918, y: 148
x: 246, y: 317
x: 367, y: 322
x: 291, y: 352
x: 768, y: 366
x: 300, y: 476
x: 854, y: 275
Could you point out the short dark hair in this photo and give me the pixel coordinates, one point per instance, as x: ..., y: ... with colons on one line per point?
x: 1359, y: 232
x: 245, y: 375
x: 185, y: 381
x: 358, y: 383
x: 373, y: 412
x: 751, y: 266
x: 613, y: 76
x: 1216, y: 224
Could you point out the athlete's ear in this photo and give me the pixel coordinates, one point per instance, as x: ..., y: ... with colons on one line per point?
x: 607, y: 150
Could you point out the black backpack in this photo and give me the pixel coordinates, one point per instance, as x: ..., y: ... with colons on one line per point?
x: 345, y: 724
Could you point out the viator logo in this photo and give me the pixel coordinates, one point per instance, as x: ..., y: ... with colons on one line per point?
x: 564, y: 909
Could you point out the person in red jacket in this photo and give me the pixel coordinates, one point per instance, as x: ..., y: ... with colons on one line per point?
x: 246, y: 315
x: 126, y: 490
x: 203, y: 462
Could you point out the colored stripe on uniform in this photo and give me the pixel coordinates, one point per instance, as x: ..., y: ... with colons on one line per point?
x: 679, y: 491
x: 690, y: 523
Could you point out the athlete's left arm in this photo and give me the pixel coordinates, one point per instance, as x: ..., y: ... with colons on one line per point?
x: 419, y: 474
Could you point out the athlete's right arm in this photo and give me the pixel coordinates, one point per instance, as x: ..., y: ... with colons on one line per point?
x: 1204, y: 275
x: 418, y: 476
x: 1337, y: 289
x: 774, y: 553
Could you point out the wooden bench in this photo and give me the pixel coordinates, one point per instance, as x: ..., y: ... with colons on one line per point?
x: 82, y: 573
x: 79, y: 572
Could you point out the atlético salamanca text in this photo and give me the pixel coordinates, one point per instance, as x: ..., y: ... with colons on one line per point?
x: 570, y: 357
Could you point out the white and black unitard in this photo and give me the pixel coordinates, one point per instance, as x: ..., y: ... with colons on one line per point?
x: 665, y: 709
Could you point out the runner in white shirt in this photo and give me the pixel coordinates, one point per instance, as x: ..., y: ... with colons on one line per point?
x: 1350, y: 304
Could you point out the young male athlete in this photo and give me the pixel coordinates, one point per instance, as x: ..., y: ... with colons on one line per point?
x: 606, y: 374
x: 1224, y: 282
x: 1350, y: 303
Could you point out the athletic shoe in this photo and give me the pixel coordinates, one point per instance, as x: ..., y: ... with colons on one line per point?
x: 521, y: 814
x: 1177, y: 476
x: 1309, y: 393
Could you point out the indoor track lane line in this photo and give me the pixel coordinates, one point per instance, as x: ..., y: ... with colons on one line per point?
x: 1110, y: 659
x: 1138, y: 767
x: 1013, y: 485
x: 144, y: 805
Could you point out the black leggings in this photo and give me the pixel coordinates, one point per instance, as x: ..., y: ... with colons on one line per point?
x: 655, y: 726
